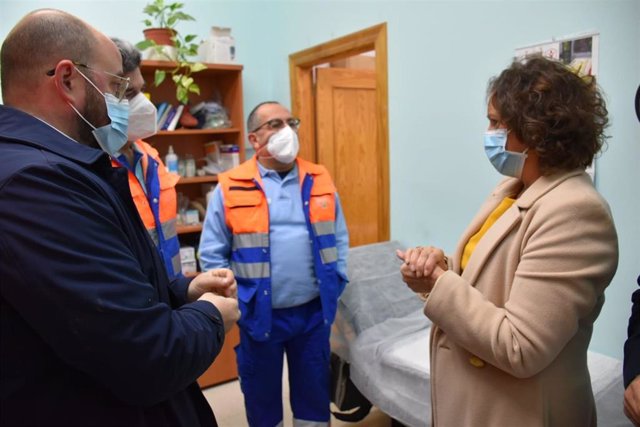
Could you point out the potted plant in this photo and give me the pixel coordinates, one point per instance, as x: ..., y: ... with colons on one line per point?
x: 165, y: 17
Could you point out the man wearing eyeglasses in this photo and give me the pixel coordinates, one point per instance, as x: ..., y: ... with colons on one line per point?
x: 92, y: 331
x: 152, y: 186
x: 276, y: 221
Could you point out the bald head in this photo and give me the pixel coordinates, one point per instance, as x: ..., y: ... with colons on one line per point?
x: 38, y: 42
x: 40, y: 61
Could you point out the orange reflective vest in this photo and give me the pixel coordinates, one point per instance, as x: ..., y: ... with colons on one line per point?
x: 158, y: 205
x: 247, y: 216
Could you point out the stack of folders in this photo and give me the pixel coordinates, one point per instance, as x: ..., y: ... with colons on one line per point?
x: 168, y: 115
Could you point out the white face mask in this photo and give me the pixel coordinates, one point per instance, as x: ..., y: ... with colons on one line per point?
x: 142, y: 118
x: 283, y: 145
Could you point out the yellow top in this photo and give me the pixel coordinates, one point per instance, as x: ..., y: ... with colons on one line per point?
x: 491, y: 219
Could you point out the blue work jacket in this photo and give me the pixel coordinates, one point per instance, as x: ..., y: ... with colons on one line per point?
x: 247, y: 216
x: 92, y: 332
x: 156, y: 202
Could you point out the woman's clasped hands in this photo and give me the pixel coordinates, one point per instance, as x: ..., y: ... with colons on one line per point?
x: 422, y: 267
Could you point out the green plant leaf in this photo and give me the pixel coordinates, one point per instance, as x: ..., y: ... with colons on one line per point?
x: 151, y: 9
x: 144, y: 44
x: 197, y: 66
x: 182, y: 95
x: 194, y: 88
x: 193, y: 50
x: 189, y: 37
x: 181, y: 16
x: 186, y: 81
x: 159, y: 77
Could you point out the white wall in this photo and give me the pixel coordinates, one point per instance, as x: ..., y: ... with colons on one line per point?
x: 441, y: 54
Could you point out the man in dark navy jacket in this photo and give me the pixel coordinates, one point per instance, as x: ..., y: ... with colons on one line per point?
x: 92, y: 332
x: 632, y: 362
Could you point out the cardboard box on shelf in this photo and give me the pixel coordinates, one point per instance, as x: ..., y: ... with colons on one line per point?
x: 188, y: 260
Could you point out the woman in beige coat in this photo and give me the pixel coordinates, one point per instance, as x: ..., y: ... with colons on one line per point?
x: 513, y: 308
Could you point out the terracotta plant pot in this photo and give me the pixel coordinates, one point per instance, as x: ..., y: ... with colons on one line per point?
x: 161, y: 36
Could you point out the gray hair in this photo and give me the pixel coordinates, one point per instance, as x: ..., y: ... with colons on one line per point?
x: 131, y: 57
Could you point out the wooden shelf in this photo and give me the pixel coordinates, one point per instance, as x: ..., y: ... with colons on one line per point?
x: 198, y: 179
x: 186, y: 229
x: 211, y: 68
x: 193, y: 132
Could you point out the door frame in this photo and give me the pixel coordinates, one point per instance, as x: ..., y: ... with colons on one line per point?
x: 303, y: 99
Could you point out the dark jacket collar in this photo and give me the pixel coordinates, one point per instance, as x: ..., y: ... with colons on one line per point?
x: 26, y: 129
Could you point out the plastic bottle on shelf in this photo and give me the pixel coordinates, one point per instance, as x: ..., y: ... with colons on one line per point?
x: 220, y: 47
x: 171, y: 160
x: 229, y: 156
x: 189, y: 166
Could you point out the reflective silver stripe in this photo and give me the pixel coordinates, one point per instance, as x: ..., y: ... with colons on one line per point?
x: 329, y: 255
x: 175, y: 262
x: 251, y: 270
x: 324, y: 228
x: 250, y: 240
x: 169, y: 229
x: 154, y: 235
x: 305, y: 423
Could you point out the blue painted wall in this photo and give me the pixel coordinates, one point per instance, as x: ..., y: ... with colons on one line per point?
x: 441, y: 54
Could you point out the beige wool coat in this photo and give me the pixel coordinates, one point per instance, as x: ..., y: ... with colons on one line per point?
x: 510, y: 336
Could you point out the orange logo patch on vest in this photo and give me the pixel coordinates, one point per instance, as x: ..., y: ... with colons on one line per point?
x: 321, y: 202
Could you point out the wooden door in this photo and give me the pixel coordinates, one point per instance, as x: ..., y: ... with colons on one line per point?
x: 348, y: 145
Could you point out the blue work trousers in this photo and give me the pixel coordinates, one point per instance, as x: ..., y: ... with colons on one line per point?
x: 299, y: 332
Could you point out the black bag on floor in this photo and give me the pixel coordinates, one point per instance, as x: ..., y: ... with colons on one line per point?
x: 345, y: 395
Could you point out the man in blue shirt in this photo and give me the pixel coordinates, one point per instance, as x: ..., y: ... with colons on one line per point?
x: 92, y: 331
x: 276, y: 221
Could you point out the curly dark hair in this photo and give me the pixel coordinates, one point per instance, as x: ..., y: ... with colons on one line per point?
x: 551, y: 110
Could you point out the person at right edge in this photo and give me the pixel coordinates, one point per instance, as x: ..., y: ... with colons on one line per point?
x: 513, y: 309
x: 631, y: 369
x: 276, y: 221
x: 632, y: 362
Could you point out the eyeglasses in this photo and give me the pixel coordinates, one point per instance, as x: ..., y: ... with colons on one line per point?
x: 119, y: 85
x: 276, y: 124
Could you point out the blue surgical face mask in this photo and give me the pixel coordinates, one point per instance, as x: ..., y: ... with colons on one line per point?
x: 111, y: 137
x: 508, y: 163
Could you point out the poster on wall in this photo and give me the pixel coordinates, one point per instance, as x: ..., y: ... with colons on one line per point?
x: 579, y: 52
